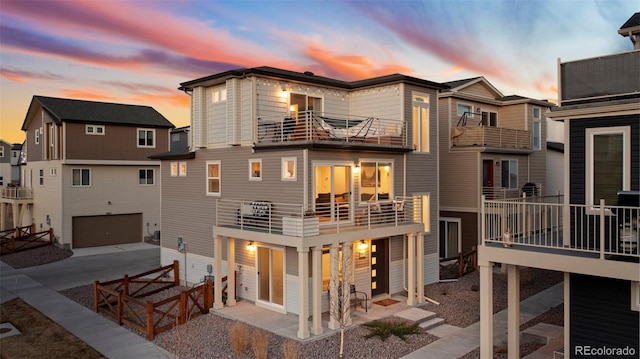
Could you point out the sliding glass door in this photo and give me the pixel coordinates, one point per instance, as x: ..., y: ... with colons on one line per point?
x: 333, y: 200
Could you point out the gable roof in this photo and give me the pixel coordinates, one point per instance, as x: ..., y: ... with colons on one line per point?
x: 633, y: 21
x: 82, y: 111
x: 458, y: 85
x: 307, y: 77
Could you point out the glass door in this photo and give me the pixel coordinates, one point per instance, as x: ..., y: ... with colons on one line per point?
x: 271, y: 276
x: 333, y: 200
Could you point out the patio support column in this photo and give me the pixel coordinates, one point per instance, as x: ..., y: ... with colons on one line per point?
x: 411, y: 269
x: 346, y: 278
x: 420, y: 268
x: 486, y: 309
x: 513, y: 311
x: 231, y: 271
x: 316, y: 262
x: 303, y: 293
x: 333, y: 285
x: 16, y: 215
x: 2, y: 216
x: 567, y: 309
x: 217, y: 279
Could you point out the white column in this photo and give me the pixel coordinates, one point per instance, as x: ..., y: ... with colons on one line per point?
x: 420, y: 270
x: 486, y: 309
x: 333, y: 285
x: 411, y: 270
x: 316, y: 327
x: 217, y: 280
x: 346, y: 279
x: 513, y: 311
x: 303, y: 293
x: 567, y: 310
x: 231, y: 271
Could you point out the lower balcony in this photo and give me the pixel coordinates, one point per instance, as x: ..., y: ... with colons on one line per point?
x: 486, y: 137
x: 16, y: 193
x: 250, y: 218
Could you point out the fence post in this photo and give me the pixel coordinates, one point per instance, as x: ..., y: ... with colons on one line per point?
x: 176, y: 273
x: 150, y: 329
x: 120, y: 308
x: 51, y: 236
x: 32, y: 228
x: 183, y: 308
x: 602, y: 228
x: 125, y: 284
x: 208, y: 295
x: 460, y: 264
x: 475, y: 256
x: 96, y: 293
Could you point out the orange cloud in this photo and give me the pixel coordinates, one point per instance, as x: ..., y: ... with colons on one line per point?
x: 12, y: 77
x: 86, y: 94
x: 454, y: 70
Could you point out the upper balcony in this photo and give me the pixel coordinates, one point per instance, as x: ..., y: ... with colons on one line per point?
x: 17, y: 193
x: 544, y: 232
x: 314, y: 129
x: 288, y: 223
x: 488, y: 138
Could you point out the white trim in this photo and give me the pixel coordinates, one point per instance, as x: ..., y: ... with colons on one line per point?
x: 94, y: 130
x: 421, y: 205
x: 111, y: 163
x: 588, y: 158
x: 146, y: 130
x: 270, y: 305
x: 206, y: 177
x: 284, y: 175
x: 81, y: 171
x: 420, y: 147
x: 146, y: 178
x: 182, y: 169
x: 447, y: 220
x: 173, y: 169
x: 253, y: 176
x: 635, y: 296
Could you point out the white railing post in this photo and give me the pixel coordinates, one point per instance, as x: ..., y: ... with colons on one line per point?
x: 601, y: 228
x: 483, y: 219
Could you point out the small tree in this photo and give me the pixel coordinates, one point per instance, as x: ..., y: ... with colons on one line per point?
x: 339, y: 307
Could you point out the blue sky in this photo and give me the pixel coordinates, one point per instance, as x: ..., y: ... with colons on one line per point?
x: 139, y: 51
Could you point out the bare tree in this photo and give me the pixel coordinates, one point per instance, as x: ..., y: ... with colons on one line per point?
x: 339, y: 291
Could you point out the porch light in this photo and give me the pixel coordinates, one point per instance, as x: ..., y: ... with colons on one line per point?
x: 356, y: 169
x: 251, y: 246
x: 362, y: 249
x: 386, y: 168
x: 284, y: 93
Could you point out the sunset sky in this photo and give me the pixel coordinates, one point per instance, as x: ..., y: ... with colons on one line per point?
x: 138, y: 52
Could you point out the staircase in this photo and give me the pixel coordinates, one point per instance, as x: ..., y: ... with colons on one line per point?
x: 428, y: 320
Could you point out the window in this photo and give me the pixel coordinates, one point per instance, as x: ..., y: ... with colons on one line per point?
x: 1, y: 151
x: 213, y: 178
x: 536, y: 113
x: 183, y: 169
x: 219, y: 95
x: 450, y: 237
x: 255, y: 170
x: 145, y: 138
x: 37, y: 136
x: 376, y: 181
x: 536, y: 135
x: 145, y: 176
x: 289, y: 172
x: 174, y: 169
x: 425, y: 207
x: 465, y: 110
x: 510, y: 173
x: 53, y: 171
x: 489, y: 119
x: 178, y: 169
x: 175, y: 137
x: 608, y: 154
x: 41, y: 176
x: 421, y: 123
x: 80, y: 177
x: 94, y: 130
x: 1, y: 181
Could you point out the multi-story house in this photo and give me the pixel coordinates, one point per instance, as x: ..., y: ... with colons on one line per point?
x: 89, y: 170
x: 292, y: 175
x: 13, y: 201
x: 5, y: 163
x: 490, y: 144
x: 592, y: 233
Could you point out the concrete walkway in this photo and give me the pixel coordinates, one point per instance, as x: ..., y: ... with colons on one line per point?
x: 467, y: 339
x: 110, y: 339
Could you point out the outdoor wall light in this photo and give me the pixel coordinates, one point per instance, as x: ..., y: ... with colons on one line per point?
x: 356, y: 169
x: 284, y: 93
x: 251, y: 246
x: 362, y: 249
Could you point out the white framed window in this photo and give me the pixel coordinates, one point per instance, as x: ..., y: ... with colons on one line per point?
x: 146, y: 176
x: 174, y: 169
x: 465, y: 109
x: 422, y: 201
x: 94, y: 130
x: 608, y: 162
x: 53, y: 171
x: 175, y: 137
x: 537, y: 140
x: 182, y: 169
x: 376, y: 181
x: 41, y: 176
x: 489, y: 119
x: 146, y: 138
x: 536, y: 113
x: 421, y: 122
x: 450, y: 243
x: 289, y: 168
x: 1, y: 151
x: 1, y: 181
x: 80, y: 177
x: 213, y: 178
x: 37, y: 136
x: 255, y: 169
x: 219, y: 95
x: 509, y: 173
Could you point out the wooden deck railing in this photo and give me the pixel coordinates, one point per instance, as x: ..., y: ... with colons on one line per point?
x: 23, y: 238
x: 463, y: 263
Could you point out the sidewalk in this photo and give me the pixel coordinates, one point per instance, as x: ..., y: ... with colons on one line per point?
x: 467, y: 339
x: 110, y: 339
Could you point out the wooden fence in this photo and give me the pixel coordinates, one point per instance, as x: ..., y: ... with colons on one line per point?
x: 459, y: 265
x: 122, y: 299
x: 24, y: 238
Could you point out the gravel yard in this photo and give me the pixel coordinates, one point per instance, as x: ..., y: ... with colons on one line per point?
x: 208, y: 336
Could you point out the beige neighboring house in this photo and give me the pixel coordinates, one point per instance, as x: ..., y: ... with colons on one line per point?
x: 88, y: 170
x: 5, y: 163
x: 289, y: 171
x: 490, y: 144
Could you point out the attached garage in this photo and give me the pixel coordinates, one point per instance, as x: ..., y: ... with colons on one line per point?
x: 93, y: 231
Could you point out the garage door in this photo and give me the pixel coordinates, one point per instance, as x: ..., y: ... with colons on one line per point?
x: 93, y: 231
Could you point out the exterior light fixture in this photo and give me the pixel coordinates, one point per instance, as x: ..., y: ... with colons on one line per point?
x: 362, y: 249
x: 251, y: 246
x: 356, y: 169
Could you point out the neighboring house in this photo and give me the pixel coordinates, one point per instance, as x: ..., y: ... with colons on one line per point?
x: 490, y: 144
x: 5, y: 163
x: 592, y: 235
x: 290, y: 171
x: 180, y: 139
x: 555, y: 168
x: 89, y: 170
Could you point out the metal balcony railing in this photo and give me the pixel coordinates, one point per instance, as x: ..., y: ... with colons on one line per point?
x: 312, y: 126
x: 481, y: 136
x: 611, y: 232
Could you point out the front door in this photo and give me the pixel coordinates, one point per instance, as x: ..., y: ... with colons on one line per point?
x: 333, y: 192
x: 270, y: 276
x: 487, y: 178
x: 379, y: 266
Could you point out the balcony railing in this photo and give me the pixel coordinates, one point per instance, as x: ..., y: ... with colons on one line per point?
x: 17, y: 193
x: 603, y: 231
x: 311, y: 126
x: 481, y: 136
x: 295, y: 220
x: 511, y: 193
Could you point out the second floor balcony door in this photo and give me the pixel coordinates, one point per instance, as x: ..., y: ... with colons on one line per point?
x: 333, y: 200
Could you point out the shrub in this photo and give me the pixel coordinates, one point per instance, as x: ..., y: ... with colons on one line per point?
x: 384, y: 329
x: 260, y: 343
x: 239, y: 337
